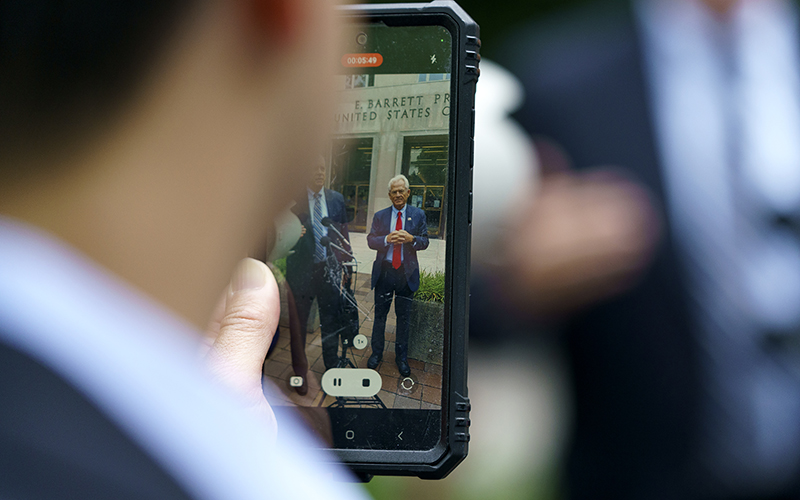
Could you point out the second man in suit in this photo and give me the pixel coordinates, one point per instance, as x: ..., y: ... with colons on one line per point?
x: 398, y: 233
x: 308, y: 268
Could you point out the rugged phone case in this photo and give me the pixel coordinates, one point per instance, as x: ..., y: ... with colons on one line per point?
x: 452, y: 448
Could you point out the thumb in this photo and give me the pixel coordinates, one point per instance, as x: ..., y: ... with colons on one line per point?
x: 252, y: 312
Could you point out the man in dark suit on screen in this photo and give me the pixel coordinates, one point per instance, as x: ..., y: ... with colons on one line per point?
x: 397, y: 233
x: 309, y: 267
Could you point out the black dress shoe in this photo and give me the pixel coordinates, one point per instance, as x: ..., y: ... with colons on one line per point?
x: 373, y: 361
x: 402, y: 366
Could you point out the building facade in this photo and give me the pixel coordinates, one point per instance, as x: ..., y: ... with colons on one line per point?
x: 387, y: 125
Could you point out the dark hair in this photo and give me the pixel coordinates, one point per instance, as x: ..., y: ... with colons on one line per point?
x: 67, y: 66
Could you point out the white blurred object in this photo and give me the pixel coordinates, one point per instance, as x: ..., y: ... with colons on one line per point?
x: 506, y: 167
x: 520, y: 419
x: 288, y: 230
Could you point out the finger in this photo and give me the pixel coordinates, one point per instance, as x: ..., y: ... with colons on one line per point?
x: 212, y: 331
x: 216, y: 316
x: 252, y: 312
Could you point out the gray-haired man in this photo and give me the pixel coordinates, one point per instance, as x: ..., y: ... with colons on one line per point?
x: 397, y: 233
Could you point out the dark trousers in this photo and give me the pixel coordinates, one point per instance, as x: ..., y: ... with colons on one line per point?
x: 316, y: 284
x: 392, y: 283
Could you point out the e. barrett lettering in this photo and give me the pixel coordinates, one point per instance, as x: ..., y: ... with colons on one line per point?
x: 397, y: 108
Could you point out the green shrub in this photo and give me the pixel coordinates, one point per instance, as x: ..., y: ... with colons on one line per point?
x: 431, y: 287
x: 281, y: 265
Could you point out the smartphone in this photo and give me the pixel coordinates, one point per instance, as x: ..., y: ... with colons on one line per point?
x: 373, y: 258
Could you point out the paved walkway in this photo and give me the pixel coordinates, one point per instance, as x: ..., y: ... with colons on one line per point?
x: 430, y: 259
x: 423, y: 391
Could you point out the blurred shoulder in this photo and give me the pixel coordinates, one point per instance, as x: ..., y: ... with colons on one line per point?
x: 60, y: 444
x: 571, y: 45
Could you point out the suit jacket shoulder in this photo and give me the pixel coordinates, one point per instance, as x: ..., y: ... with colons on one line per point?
x: 336, y: 207
x: 571, y: 44
x: 334, y: 196
x: 382, y: 215
x: 586, y: 88
x: 54, y: 443
x: 415, y: 212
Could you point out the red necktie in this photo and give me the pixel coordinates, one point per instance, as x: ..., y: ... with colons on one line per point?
x: 397, y: 248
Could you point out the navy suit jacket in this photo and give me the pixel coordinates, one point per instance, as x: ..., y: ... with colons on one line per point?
x: 299, y: 263
x: 56, y: 443
x: 633, y: 359
x: 382, y: 225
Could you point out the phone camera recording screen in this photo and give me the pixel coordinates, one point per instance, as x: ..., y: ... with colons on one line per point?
x: 360, y: 257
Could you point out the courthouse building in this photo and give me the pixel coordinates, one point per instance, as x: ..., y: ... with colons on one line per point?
x: 387, y: 125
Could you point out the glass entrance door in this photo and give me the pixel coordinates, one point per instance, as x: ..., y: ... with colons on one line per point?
x: 425, y: 164
x: 351, y: 167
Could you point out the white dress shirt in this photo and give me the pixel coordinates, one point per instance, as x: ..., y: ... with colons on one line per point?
x: 139, y: 365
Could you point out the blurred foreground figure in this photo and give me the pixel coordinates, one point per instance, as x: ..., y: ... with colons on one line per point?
x: 688, y: 384
x: 142, y: 146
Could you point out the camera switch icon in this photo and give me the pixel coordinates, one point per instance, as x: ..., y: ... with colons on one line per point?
x: 351, y: 382
x: 296, y: 382
x: 407, y: 383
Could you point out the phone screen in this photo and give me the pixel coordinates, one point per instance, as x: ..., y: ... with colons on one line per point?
x: 361, y: 257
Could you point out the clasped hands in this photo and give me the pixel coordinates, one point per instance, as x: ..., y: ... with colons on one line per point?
x: 399, y: 237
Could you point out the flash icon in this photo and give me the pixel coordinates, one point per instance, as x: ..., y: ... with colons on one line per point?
x: 433, y: 59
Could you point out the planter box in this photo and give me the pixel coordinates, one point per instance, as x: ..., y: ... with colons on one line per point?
x: 426, y: 333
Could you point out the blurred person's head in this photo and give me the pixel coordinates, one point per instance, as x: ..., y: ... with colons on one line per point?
x: 157, y: 137
x: 720, y: 6
x: 399, y: 190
